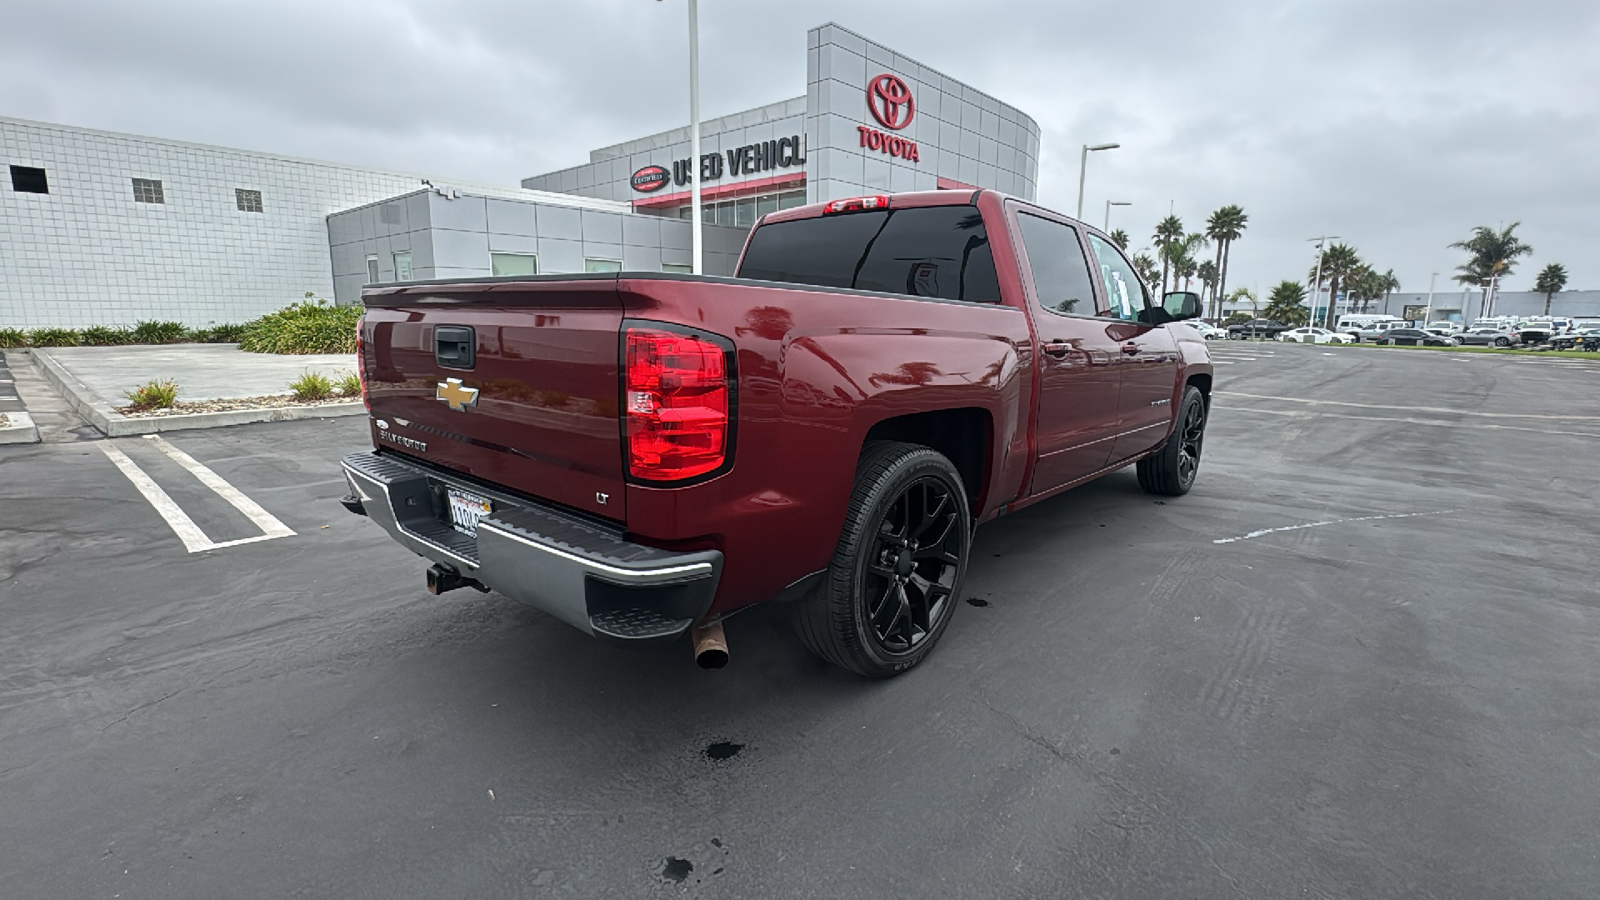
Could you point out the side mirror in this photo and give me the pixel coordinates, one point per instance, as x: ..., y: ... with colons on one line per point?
x: 1182, y: 305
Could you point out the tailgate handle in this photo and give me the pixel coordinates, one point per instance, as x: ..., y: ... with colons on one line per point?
x: 454, y: 346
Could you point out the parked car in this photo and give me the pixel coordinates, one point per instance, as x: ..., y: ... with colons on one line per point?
x: 1314, y: 335
x: 1443, y: 327
x: 1256, y: 328
x: 1416, y: 337
x: 1487, y: 336
x: 1207, y: 330
x: 1582, y: 339
x: 1376, y: 330
x: 643, y: 454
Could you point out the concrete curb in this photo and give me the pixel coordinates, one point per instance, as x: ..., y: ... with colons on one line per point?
x: 113, y: 424
x: 21, y: 429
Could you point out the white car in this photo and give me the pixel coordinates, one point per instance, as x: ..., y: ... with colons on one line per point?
x: 1313, y: 335
x: 1208, y: 331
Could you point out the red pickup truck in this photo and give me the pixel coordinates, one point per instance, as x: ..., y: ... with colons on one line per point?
x: 644, y: 454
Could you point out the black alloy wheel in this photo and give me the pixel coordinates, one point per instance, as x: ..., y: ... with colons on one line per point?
x: 914, y: 565
x: 1171, y: 470
x: 891, y: 588
x: 1502, y: 342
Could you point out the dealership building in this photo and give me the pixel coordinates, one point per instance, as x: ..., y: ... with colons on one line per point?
x: 98, y: 228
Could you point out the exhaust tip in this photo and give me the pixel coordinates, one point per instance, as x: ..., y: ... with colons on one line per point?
x: 710, y: 647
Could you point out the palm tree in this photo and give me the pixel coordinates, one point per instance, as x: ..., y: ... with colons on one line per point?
x: 1552, y: 280
x: 1494, y: 255
x: 1241, y: 294
x: 1387, y: 284
x: 1225, y: 226
x: 1207, y: 273
x: 1146, y: 266
x: 1168, y: 231
x: 1339, y: 262
x: 1120, y: 238
x: 1286, y: 303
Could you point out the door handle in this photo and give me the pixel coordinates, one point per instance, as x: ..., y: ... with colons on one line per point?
x: 1130, y: 348
x: 1057, y: 348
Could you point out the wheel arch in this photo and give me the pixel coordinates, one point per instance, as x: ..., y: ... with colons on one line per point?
x: 963, y: 434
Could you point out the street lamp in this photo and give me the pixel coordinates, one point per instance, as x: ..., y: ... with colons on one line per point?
x: 1429, y: 314
x: 1110, y: 203
x: 1083, y: 162
x: 1316, y: 288
x: 694, y: 135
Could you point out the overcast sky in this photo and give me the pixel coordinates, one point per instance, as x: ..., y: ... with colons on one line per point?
x: 1397, y: 125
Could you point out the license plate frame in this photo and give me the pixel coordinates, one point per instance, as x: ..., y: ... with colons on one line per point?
x: 466, y: 509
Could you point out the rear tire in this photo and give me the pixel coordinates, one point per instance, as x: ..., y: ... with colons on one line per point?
x: 1171, y: 470
x: 1502, y: 342
x: 897, y: 570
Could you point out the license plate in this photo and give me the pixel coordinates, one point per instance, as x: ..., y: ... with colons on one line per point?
x: 465, y: 511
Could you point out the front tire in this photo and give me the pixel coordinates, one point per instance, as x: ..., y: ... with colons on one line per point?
x: 897, y: 570
x: 1502, y: 342
x: 1171, y: 470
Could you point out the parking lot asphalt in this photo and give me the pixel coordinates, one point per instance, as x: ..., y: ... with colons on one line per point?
x: 1358, y: 660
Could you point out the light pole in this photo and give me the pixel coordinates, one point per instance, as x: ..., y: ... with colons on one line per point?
x: 1106, y: 227
x: 694, y: 136
x: 1083, y: 164
x: 1316, y: 288
x: 1429, y: 314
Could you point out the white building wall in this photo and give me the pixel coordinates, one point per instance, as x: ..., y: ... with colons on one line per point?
x: 87, y: 254
x: 962, y: 134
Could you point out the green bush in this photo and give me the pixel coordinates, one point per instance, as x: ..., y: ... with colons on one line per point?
x: 53, y: 337
x: 312, y: 386
x: 155, y: 395
x: 12, y: 337
x: 348, y: 384
x: 159, y: 332
x: 312, y: 326
x: 104, y: 336
x: 218, y: 334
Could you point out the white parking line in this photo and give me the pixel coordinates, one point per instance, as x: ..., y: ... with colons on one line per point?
x: 269, y: 525
x: 1424, y: 409
x: 194, y: 540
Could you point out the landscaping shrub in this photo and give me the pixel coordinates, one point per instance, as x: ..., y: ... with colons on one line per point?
x: 53, y: 337
x: 348, y: 384
x: 218, y: 334
x: 312, y: 326
x: 105, y: 336
x: 312, y: 386
x: 159, y: 332
x: 155, y: 395
x: 12, y: 337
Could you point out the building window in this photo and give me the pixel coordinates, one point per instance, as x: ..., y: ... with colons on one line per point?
x: 791, y: 199
x: 402, y: 266
x: 148, y: 190
x: 678, y: 269
x: 29, y: 180
x: 602, y: 265
x: 372, y: 270
x: 248, y: 201
x: 514, y: 263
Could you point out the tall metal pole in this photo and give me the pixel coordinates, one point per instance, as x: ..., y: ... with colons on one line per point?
x: 694, y: 136
x: 1428, y: 316
x: 1316, y: 288
x: 1083, y: 165
x: 1106, y: 226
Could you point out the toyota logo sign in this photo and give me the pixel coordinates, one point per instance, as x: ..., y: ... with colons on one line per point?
x: 650, y: 178
x: 890, y: 102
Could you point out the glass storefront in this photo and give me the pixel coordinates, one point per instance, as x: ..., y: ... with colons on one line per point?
x: 744, y: 211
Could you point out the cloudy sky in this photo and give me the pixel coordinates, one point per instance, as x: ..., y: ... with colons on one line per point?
x: 1397, y: 125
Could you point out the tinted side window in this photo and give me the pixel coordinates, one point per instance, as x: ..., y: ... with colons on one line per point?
x: 1124, y: 291
x: 1060, y: 273
x: 939, y: 251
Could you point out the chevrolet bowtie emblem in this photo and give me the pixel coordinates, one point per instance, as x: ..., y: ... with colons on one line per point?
x: 458, y: 395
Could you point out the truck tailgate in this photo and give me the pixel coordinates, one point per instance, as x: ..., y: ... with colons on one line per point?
x: 535, y: 409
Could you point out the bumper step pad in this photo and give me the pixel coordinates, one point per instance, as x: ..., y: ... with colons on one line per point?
x: 637, y: 624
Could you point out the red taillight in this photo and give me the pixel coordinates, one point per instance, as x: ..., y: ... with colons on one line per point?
x: 676, y: 390
x: 361, y: 363
x: 856, y: 204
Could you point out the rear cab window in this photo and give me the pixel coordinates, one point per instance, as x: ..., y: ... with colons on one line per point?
x: 934, y: 251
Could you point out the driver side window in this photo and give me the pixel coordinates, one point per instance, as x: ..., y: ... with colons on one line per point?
x: 1124, y: 291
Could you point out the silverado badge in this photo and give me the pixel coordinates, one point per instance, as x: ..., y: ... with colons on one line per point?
x: 458, y: 395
